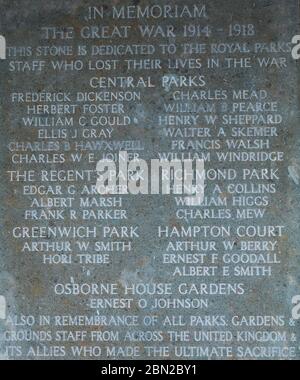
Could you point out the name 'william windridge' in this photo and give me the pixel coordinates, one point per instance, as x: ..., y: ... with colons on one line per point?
x: 156, y: 11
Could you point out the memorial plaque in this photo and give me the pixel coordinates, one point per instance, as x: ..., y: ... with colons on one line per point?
x: 150, y: 171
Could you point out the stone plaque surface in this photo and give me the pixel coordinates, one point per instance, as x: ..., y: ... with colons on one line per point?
x: 105, y: 251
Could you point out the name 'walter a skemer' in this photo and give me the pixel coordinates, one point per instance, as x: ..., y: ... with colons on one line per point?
x: 148, y: 12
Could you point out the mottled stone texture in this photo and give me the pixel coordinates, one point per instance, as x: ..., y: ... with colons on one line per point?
x: 28, y: 285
